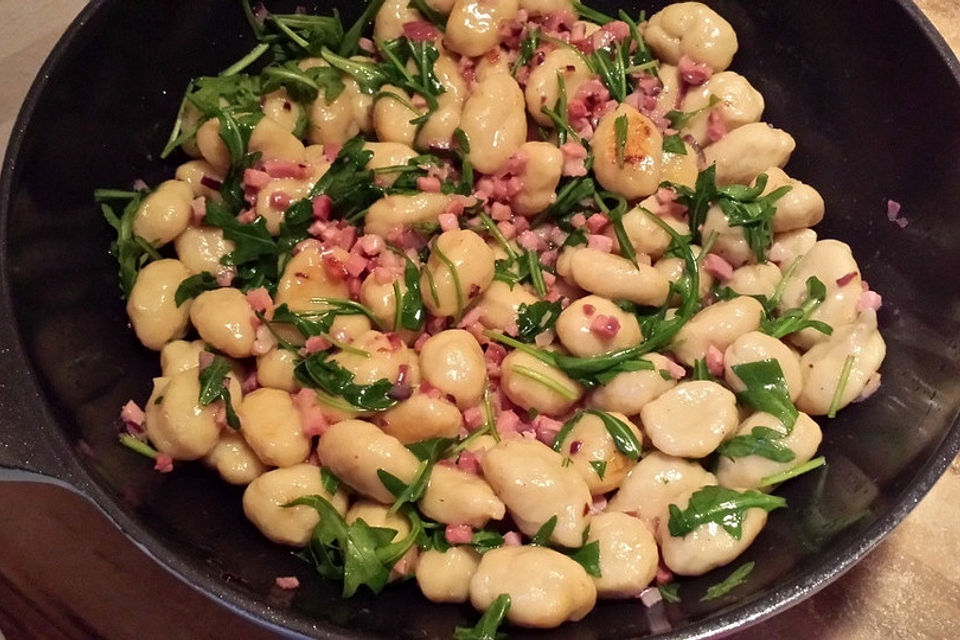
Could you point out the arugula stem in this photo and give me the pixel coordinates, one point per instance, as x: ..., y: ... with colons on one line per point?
x: 777, y: 478
x: 497, y: 234
x: 546, y: 381
x: 841, y: 386
x: 455, y: 276
x: 536, y: 273
x: 543, y: 356
x: 138, y: 445
x: 290, y: 33
x: 245, y: 61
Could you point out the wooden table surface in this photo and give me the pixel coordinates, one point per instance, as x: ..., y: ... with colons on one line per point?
x: 909, y: 587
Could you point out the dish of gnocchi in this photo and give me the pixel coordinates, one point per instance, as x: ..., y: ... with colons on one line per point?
x: 510, y: 298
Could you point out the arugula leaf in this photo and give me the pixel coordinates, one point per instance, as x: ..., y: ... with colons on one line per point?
x: 559, y: 116
x: 590, y: 13
x: 302, y: 85
x: 767, y: 390
x: 542, y: 536
x: 841, y: 386
x: 761, y: 441
x: 734, y: 580
x: 569, y: 197
x: 670, y: 592
x: 541, y: 378
x: 623, y: 437
x: 700, y: 370
x: 432, y: 15
x: 674, y: 144
x: 316, y: 372
x: 616, y: 220
x: 213, y: 387
x: 195, y: 285
x: 357, y: 554
x: 620, y: 131
x: 318, y: 322
x: 407, y: 493
x: 534, y: 319
x: 330, y: 482
x: 611, y: 63
x: 432, y: 449
x: 719, y: 505
x: 797, y: 319
x: 623, y: 367
x: 137, y: 445
x: 348, y: 45
x: 454, y: 276
x: 491, y: 620
x: 528, y: 47
x: 783, y: 476
x: 412, y: 314
x: 589, y: 557
x: 485, y: 540
x: 697, y: 200
x: 600, y: 467
x: 745, y: 207
x: 131, y: 251
x: 348, y: 182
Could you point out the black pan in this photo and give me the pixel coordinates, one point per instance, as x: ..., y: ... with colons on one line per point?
x: 868, y: 89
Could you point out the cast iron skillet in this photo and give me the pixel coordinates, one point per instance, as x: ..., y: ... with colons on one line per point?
x: 868, y: 89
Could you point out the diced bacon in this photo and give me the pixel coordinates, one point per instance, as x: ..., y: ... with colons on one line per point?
x: 448, y: 222
x: 420, y: 31
x: 650, y: 596
x: 675, y: 370
x: 322, y: 207
x: 589, y: 309
x: 546, y: 429
x: 597, y: 222
x: 508, y: 423
x: 508, y: 229
x: 529, y: 241
x: 198, y: 210
x: 311, y: 413
x: 599, y: 505
x: 578, y: 220
x: 250, y: 383
x: 287, y: 583
x: 356, y: 264
x: 549, y: 258
x: 366, y: 44
x: 163, y: 463
x: 264, y: 341
x: 549, y: 279
x: 429, y: 184
x: 693, y: 72
x: 133, y: 416
x: 255, y: 179
x: 714, y: 358
x: 517, y: 163
x: 468, y: 463
x: 459, y: 533
x: 246, y: 216
x: 615, y: 31
x: 334, y: 267
x: 718, y: 267
x: 279, y: 200
x: 716, y: 127
x: 331, y: 150
x: 604, y: 326
x: 512, y: 539
x: 286, y: 169
x: 259, y: 300
x: 573, y: 159
x: 473, y: 418
x: 371, y: 244
x: 469, y: 318
x: 869, y: 300
x: 467, y: 68
x: 455, y: 207
x: 846, y: 279
x: 873, y: 383
x: 382, y: 275
x: 407, y: 562
x: 500, y: 212
x: 893, y: 210
x: 663, y: 575
x: 601, y: 243
x: 650, y: 85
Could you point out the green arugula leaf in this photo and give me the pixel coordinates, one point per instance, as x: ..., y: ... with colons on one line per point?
x: 797, y: 319
x: 569, y: 197
x: 302, y: 85
x: 616, y: 220
x: 680, y: 119
x: 491, y: 620
x: 626, y: 441
x: 591, y: 14
x: 761, y: 441
x: 734, y: 580
x: 528, y: 47
x: 841, y: 386
x: 213, y: 387
x: 407, y: 493
x: 719, y: 505
x: 432, y: 449
x: 331, y: 483
x: 412, y: 314
x: 620, y: 131
x: 697, y: 200
x: 600, y: 467
x: 542, y: 536
x: 783, y: 476
x: 318, y: 322
x: 316, y: 372
x: 670, y: 592
x: 348, y: 45
x: 588, y: 556
x: 674, y: 144
x: 623, y: 367
x: 195, y: 285
x: 137, y: 445
x: 131, y: 251
x: 485, y: 540
x: 438, y: 19
x: 534, y: 319
x: 348, y: 183
x: 767, y: 390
